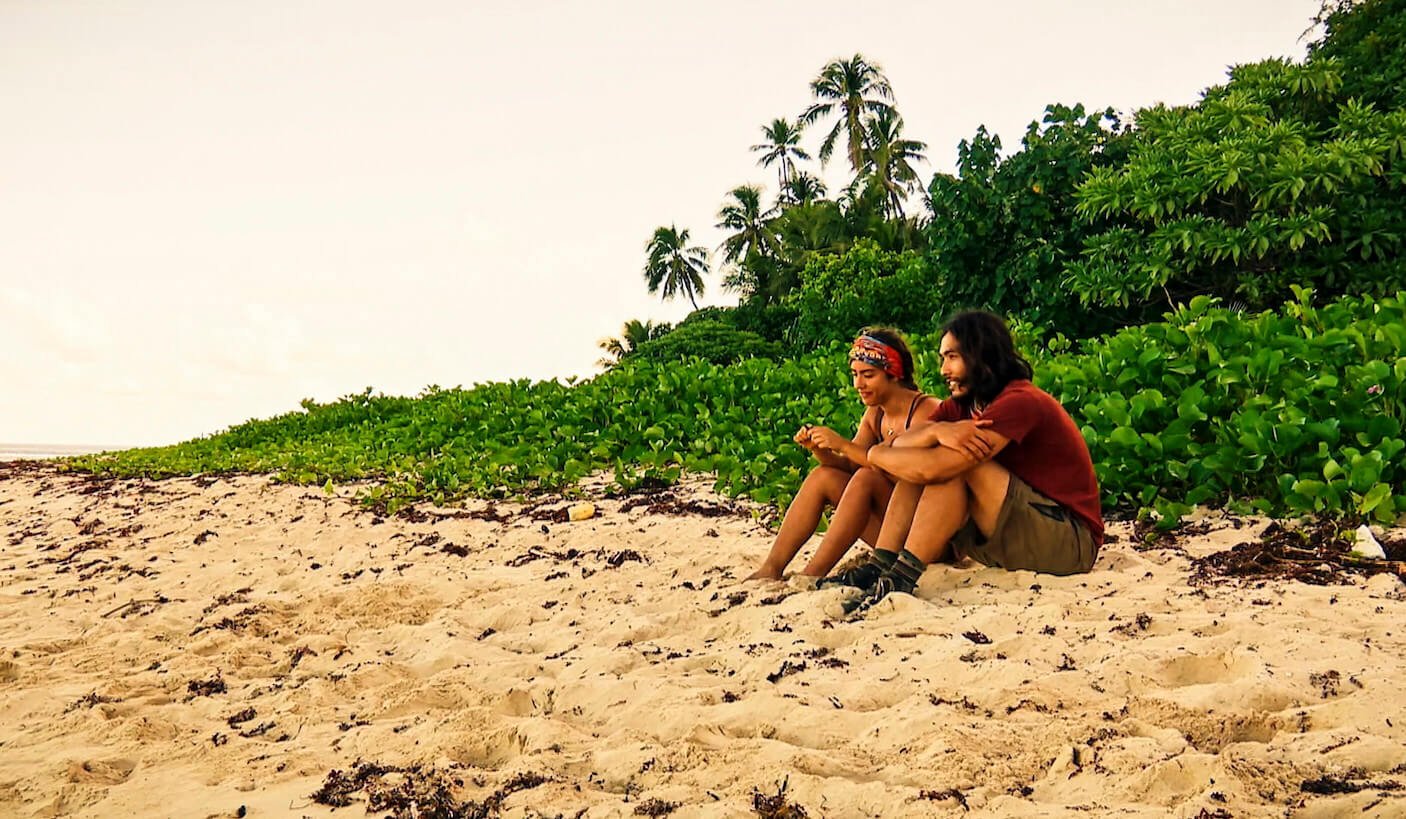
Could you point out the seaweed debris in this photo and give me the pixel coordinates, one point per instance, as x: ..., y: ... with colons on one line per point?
x: 1319, y: 553
x: 413, y: 791
x: 776, y: 806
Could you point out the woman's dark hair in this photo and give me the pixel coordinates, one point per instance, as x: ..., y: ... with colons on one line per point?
x: 894, y: 339
x: 989, y: 352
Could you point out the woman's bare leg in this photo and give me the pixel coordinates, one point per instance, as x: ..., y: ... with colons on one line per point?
x: 823, y: 487
x: 859, y: 512
x: 897, y: 519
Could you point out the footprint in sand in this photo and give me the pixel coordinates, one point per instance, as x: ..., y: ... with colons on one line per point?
x: 101, y: 772
x: 9, y: 671
x: 1188, y: 670
x: 1205, y: 731
x: 1170, y: 781
x: 491, y: 749
x: 516, y: 703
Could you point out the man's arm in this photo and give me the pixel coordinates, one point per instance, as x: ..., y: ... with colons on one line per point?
x: 968, y: 436
x: 915, y: 464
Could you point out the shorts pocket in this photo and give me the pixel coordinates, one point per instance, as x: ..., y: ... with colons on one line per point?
x: 1053, y: 511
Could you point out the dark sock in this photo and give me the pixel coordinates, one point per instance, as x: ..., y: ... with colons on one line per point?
x: 902, y: 576
x: 864, y: 575
x: 905, y: 571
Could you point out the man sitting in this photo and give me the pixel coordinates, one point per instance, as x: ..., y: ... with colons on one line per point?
x: 1002, y: 475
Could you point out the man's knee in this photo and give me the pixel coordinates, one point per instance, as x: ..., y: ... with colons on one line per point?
x: 986, y: 479
x: 945, y: 489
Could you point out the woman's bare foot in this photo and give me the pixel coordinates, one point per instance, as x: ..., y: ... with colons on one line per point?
x: 764, y: 573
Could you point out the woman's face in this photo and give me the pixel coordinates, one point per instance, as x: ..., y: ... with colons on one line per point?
x: 872, y: 383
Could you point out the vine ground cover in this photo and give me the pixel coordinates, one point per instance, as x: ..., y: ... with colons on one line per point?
x: 1283, y: 412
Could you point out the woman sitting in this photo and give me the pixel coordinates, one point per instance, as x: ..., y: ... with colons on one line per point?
x: 882, y: 368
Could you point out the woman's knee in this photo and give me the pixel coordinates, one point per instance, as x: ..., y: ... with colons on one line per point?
x: 829, y: 481
x: 870, y: 480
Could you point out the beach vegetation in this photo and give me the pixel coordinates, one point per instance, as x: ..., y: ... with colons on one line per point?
x: 1297, y: 410
x: 1003, y: 229
x: 1274, y: 179
x: 713, y: 340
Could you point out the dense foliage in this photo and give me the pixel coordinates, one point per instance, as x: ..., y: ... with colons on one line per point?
x: 1003, y: 229
x: 862, y: 287
x: 1296, y: 411
x: 1273, y: 179
x: 717, y: 342
x: 1365, y: 38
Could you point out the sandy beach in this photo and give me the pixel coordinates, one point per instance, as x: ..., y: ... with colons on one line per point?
x: 220, y: 646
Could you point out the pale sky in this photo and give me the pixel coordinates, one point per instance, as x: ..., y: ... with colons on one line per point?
x: 211, y: 210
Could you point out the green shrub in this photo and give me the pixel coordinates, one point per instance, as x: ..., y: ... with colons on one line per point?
x: 1365, y: 37
x: 770, y: 321
x: 1003, y: 229
x: 863, y: 286
x: 1290, y: 412
x: 710, y: 339
x: 1274, y: 179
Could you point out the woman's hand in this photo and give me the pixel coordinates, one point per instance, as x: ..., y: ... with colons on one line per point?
x: 826, y: 438
x: 802, y: 437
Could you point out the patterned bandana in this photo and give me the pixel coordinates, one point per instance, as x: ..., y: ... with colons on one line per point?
x: 875, y: 353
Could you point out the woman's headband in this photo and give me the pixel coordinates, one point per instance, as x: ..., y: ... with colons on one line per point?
x: 875, y: 353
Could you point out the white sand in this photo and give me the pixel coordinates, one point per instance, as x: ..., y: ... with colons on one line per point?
x: 356, y: 638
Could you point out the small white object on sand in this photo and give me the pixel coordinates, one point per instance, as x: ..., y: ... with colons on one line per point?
x: 582, y: 511
x: 1367, y: 545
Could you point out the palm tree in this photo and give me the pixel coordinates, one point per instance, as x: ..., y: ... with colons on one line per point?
x: 801, y: 189
x: 859, y: 90
x: 805, y: 231
x: 889, y: 159
x: 674, y: 265
x: 782, y: 146
x: 632, y: 334
x: 743, y: 215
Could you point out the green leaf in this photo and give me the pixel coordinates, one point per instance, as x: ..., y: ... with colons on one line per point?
x: 1126, y: 437
x: 1378, y: 503
x: 1310, y: 488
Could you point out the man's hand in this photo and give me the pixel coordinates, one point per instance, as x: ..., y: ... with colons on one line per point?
x: 826, y: 438
x: 918, y: 437
x: 969, y: 438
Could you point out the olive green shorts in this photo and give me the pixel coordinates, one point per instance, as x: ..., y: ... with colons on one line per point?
x: 1032, y: 533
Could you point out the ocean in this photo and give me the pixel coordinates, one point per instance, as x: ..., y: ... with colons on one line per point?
x: 25, y: 452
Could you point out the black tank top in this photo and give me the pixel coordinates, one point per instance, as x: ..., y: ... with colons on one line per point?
x: 912, y: 408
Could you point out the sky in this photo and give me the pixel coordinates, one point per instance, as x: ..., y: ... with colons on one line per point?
x: 211, y: 211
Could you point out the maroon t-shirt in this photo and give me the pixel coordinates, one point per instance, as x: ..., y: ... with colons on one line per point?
x: 1046, y: 449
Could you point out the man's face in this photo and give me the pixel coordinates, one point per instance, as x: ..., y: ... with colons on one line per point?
x: 954, y: 367
x: 870, y: 382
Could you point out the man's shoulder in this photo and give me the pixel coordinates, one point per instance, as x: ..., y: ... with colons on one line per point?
x: 948, y: 410
x: 1022, y: 391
